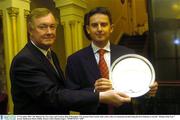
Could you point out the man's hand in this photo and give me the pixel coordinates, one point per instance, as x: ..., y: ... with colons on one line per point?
x: 103, y: 84
x: 114, y: 98
x: 153, y: 89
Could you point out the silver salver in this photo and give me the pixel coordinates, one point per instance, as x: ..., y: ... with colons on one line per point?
x: 132, y: 74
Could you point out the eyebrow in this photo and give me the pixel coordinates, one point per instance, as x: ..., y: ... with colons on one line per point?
x: 101, y: 23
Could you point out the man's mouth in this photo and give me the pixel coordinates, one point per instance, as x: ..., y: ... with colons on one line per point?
x: 100, y: 35
x: 49, y: 37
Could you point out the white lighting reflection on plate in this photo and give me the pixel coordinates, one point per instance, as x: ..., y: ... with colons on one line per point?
x: 132, y: 74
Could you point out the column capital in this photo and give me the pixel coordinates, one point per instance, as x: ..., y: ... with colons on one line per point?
x: 28, y: 1
x: 71, y: 7
x: 13, y: 11
x: 79, y: 3
x: 71, y: 22
x: 26, y: 13
x: 72, y: 13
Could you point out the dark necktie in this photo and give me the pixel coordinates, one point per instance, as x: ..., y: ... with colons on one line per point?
x: 104, y: 72
x: 49, y: 57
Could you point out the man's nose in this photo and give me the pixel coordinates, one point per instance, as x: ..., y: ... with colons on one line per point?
x: 99, y: 27
x: 49, y: 30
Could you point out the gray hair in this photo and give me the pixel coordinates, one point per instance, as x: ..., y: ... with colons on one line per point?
x: 37, y: 13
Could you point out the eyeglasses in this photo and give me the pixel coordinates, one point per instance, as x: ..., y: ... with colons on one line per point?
x: 45, y: 26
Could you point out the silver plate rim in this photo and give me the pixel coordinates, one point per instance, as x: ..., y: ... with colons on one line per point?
x: 142, y: 59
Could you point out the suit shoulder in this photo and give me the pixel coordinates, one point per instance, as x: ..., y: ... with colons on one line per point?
x: 80, y: 53
x: 24, y: 56
x: 122, y: 48
x: 22, y: 53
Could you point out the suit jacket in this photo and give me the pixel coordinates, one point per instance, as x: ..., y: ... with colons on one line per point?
x: 82, y: 71
x: 38, y: 89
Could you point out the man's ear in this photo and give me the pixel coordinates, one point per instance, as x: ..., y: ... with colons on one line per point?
x: 30, y: 28
x: 112, y: 28
x: 30, y: 31
x: 87, y: 29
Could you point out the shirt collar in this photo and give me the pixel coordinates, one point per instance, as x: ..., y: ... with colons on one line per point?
x: 96, y: 48
x: 42, y: 50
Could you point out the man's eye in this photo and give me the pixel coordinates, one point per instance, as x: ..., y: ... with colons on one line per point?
x: 94, y: 24
x: 101, y: 24
x: 42, y: 27
x: 53, y: 27
x: 104, y: 24
x: 45, y: 27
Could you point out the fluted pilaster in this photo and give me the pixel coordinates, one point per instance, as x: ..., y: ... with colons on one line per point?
x: 13, y: 12
x: 26, y: 13
x: 72, y: 14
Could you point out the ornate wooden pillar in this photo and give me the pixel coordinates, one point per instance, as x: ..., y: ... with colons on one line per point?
x: 13, y: 12
x: 72, y: 14
x: 26, y: 13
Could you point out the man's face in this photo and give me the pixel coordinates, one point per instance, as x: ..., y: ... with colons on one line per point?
x: 99, y: 29
x: 44, y: 32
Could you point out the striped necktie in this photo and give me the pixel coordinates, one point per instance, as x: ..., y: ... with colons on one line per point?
x: 103, y: 65
x: 104, y: 72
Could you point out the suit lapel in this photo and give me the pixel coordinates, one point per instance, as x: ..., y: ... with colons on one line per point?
x: 43, y: 60
x: 57, y: 65
x: 113, y: 55
x: 91, y: 63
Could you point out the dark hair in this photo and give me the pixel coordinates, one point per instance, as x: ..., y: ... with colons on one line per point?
x: 101, y: 10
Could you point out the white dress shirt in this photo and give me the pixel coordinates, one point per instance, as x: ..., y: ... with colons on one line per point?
x: 107, y: 54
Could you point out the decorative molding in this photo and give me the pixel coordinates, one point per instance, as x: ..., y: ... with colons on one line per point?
x: 71, y: 13
x: 28, y: 1
x: 13, y: 11
x: 72, y: 22
x: 26, y: 13
x: 78, y: 3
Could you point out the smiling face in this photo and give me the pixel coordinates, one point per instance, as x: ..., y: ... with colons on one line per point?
x: 99, y: 29
x: 43, y: 32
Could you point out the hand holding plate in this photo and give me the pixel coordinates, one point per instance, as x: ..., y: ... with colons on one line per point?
x: 153, y: 89
x: 114, y: 98
x: 103, y: 84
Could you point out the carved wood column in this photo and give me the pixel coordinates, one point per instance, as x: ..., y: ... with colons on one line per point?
x: 72, y: 15
x: 76, y: 31
x: 13, y: 12
x: 26, y: 13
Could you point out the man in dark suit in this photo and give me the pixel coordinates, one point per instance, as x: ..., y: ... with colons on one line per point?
x: 82, y: 69
x: 37, y: 80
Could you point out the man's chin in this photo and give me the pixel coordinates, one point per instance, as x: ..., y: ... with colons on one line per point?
x: 47, y: 45
x: 100, y: 40
x: 49, y: 41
